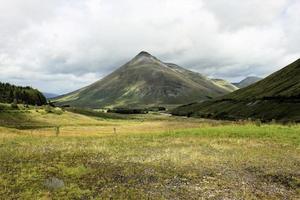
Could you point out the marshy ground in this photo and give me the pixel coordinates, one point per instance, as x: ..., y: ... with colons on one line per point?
x: 146, y: 157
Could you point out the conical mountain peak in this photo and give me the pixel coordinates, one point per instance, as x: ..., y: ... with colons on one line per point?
x: 144, y: 81
x: 144, y: 53
x: 143, y: 58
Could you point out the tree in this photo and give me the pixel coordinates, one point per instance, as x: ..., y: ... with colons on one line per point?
x: 26, y: 95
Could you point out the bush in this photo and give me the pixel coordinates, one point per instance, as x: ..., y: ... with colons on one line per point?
x: 57, y: 111
x: 14, y: 105
x: 258, y: 122
x: 156, y: 109
x: 128, y: 111
x: 2, y: 107
x: 49, y: 109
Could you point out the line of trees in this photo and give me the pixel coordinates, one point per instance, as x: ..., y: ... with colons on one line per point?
x: 25, y: 95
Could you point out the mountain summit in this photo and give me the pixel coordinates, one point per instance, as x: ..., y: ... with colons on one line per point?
x: 145, y: 54
x: 145, y: 81
x: 143, y: 58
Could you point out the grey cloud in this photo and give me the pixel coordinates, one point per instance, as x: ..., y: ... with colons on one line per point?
x: 59, y: 46
x: 235, y: 14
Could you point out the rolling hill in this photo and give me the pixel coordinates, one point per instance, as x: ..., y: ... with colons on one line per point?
x: 145, y: 81
x: 275, y: 97
x: 247, y: 81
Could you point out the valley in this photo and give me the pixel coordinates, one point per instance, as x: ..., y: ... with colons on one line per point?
x: 153, y: 130
x: 150, y: 100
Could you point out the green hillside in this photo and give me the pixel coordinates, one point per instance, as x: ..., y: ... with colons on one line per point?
x: 275, y: 97
x: 145, y: 81
x: 17, y: 94
x: 283, y: 83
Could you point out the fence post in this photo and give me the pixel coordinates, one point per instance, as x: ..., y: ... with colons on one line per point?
x: 57, y: 131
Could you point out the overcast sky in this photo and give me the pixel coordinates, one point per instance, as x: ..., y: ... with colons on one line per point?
x: 61, y: 45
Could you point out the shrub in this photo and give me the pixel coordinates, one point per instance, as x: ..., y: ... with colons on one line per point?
x: 128, y: 111
x: 49, y: 109
x: 14, y: 105
x: 258, y: 122
x: 57, y: 111
x: 2, y: 107
x: 156, y: 109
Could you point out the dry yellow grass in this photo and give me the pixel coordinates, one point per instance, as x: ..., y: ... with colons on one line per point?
x: 149, y: 157
x: 72, y: 124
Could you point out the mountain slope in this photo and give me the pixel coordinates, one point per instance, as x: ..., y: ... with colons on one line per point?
x: 225, y: 84
x: 145, y: 81
x: 275, y: 97
x: 247, y: 81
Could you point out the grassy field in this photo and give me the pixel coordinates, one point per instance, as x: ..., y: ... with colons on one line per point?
x: 145, y: 157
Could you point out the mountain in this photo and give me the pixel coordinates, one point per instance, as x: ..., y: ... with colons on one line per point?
x: 247, y: 81
x: 275, y: 97
x: 145, y: 81
x: 27, y: 95
x: 225, y: 84
x: 49, y: 95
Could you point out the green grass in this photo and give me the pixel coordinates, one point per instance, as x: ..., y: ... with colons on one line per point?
x: 149, y: 158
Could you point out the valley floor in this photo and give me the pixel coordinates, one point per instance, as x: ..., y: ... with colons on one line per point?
x: 145, y: 157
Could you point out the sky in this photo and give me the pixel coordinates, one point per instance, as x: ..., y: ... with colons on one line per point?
x: 59, y: 46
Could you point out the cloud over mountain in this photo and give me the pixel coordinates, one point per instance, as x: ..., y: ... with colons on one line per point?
x: 59, y: 46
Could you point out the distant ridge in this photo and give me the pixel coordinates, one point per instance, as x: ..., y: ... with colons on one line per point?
x: 50, y: 95
x: 247, y: 81
x: 275, y: 97
x: 145, y: 81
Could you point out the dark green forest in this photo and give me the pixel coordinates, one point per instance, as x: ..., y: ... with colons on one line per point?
x: 17, y: 94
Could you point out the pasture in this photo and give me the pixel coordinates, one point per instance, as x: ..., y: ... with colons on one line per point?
x: 145, y: 157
